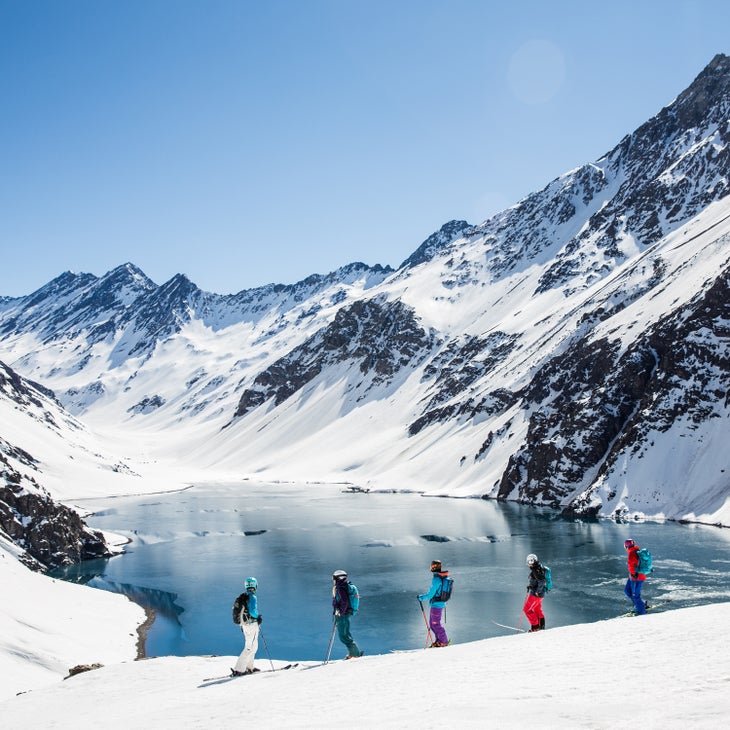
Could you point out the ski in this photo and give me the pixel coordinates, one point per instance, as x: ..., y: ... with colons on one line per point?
x: 511, y: 628
x: 227, y: 677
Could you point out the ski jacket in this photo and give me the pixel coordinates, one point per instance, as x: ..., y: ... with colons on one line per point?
x: 536, y: 581
x: 247, y: 605
x: 435, y: 590
x: 345, y: 598
x: 633, y: 564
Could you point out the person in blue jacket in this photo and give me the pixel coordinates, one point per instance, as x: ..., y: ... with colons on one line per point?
x: 437, y: 606
x: 246, y: 613
x: 345, y: 603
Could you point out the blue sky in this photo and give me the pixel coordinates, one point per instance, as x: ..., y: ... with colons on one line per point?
x: 247, y: 142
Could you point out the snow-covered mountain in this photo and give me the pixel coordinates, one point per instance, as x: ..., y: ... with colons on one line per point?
x: 43, y: 446
x: 570, y: 351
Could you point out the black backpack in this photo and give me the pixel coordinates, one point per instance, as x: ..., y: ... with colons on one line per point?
x: 240, y: 609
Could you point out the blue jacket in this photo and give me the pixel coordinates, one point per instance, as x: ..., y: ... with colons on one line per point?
x: 251, y: 604
x: 434, y: 590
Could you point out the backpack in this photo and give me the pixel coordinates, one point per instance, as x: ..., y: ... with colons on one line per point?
x: 644, y: 564
x: 447, y: 586
x: 240, y: 609
x: 354, y: 596
x: 548, y: 578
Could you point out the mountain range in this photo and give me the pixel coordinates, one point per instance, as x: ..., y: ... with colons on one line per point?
x: 571, y: 351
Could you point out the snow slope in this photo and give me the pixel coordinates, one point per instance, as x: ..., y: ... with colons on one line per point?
x: 669, y: 670
x: 48, y: 626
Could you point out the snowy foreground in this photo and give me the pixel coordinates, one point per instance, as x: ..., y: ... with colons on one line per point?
x: 48, y: 626
x: 667, y: 670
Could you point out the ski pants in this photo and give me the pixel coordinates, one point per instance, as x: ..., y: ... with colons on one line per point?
x: 533, y: 609
x: 251, y: 638
x: 435, y: 623
x: 343, y: 631
x: 632, y: 589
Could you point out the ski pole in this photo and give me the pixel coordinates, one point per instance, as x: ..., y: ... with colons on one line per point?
x: 429, y: 638
x: 522, y: 614
x: 266, y: 646
x: 332, y: 640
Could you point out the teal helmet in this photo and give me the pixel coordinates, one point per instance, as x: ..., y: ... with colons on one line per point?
x: 251, y: 584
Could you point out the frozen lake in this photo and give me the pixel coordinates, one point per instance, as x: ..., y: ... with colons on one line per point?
x: 190, y: 552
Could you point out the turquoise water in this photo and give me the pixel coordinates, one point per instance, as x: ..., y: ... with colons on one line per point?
x: 191, y: 551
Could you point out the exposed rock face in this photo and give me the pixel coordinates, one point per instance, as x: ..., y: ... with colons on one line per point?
x: 599, y: 402
x: 381, y: 338
x: 454, y: 370
x: 449, y: 232
x: 51, y: 534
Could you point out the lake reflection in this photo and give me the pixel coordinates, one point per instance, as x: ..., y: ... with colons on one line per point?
x: 191, y: 551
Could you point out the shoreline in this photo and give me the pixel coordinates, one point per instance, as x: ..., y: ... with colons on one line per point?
x: 142, y: 629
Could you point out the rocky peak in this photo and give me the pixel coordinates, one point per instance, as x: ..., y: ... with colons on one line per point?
x: 435, y: 242
x: 695, y: 103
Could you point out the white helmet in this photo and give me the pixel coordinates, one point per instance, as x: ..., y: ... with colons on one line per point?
x: 339, y: 575
x: 531, y: 559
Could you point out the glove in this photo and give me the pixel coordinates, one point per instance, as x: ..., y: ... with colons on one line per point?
x: 259, y: 619
x: 350, y: 612
x: 337, y: 613
x: 634, y: 575
x: 420, y: 598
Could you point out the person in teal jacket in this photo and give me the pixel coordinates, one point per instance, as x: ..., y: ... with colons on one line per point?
x: 437, y: 606
x: 246, y: 613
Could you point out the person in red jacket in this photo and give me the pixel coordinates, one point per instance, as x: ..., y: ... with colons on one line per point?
x: 632, y: 589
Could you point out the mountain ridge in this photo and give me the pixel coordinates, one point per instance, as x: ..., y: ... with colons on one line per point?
x: 534, y: 357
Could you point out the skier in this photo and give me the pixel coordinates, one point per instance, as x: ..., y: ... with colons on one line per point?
x: 246, y: 613
x: 535, y: 593
x: 632, y: 589
x: 437, y: 605
x: 345, y: 603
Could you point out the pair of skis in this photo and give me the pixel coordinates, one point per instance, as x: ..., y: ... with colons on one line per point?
x: 228, y: 677
x: 649, y: 607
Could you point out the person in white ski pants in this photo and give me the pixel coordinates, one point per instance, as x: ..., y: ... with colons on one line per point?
x: 250, y: 629
x: 246, y: 613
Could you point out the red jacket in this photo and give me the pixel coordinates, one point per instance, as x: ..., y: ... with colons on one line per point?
x: 634, y: 564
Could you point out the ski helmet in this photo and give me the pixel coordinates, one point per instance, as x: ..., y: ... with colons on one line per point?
x: 251, y: 584
x: 435, y: 566
x: 629, y: 544
x: 339, y: 575
x: 531, y: 559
